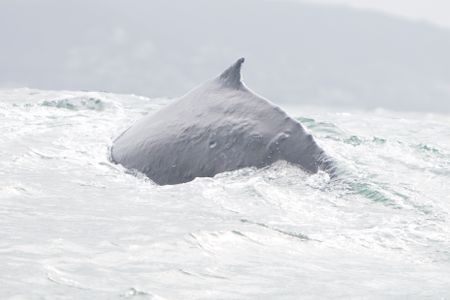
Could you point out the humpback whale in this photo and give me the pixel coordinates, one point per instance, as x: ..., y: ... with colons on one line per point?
x: 219, y: 126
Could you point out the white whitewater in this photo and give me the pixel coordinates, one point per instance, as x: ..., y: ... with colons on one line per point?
x: 73, y: 225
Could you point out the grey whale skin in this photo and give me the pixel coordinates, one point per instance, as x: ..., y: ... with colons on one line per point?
x: 219, y: 126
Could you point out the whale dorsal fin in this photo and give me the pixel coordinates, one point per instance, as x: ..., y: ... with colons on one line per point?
x: 231, y: 77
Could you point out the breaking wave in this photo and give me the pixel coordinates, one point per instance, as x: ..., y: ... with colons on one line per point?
x: 75, y: 224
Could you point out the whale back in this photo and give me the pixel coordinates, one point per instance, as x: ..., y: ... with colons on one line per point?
x: 219, y: 126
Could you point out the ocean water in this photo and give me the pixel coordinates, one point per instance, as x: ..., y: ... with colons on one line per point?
x: 73, y: 225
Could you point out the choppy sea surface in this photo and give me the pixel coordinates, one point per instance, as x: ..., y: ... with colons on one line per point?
x: 73, y: 225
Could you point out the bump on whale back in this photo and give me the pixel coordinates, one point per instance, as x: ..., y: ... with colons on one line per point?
x: 210, y: 135
x: 231, y: 77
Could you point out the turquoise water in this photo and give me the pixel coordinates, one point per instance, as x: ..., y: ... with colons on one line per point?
x: 75, y: 226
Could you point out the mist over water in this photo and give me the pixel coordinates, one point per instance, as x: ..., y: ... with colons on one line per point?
x: 297, y: 53
x: 74, y: 225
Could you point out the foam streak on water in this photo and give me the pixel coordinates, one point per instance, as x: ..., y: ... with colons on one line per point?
x: 75, y: 226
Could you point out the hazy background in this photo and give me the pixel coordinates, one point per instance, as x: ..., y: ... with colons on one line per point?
x: 344, y: 53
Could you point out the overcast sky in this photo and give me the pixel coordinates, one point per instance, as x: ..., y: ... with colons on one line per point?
x: 435, y: 11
